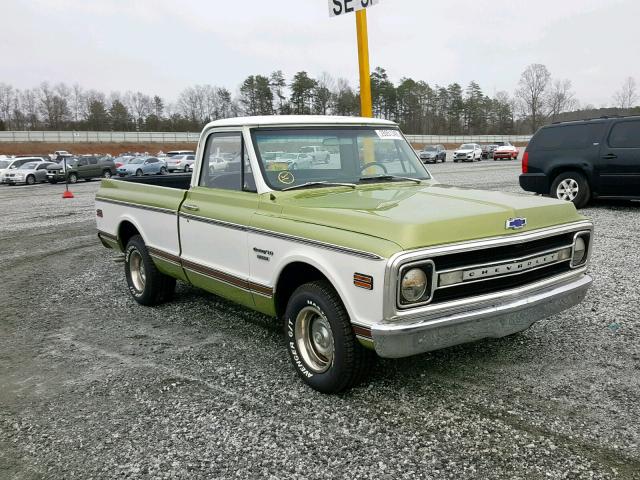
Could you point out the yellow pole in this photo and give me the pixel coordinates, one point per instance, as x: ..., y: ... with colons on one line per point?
x: 366, y: 109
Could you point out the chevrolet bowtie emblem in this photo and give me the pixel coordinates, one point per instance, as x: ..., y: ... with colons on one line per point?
x: 516, y: 223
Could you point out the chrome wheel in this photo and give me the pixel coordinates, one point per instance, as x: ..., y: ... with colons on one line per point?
x: 568, y: 189
x: 136, y: 266
x: 314, y: 339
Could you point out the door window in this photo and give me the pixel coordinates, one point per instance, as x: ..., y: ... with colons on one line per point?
x: 226, y: 163
x: 625, y: 135
x: 93, y: 161
x: 82, y: 162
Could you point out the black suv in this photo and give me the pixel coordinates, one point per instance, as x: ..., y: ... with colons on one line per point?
x: 578, y: 161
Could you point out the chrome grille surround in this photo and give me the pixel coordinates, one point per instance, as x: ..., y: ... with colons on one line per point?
x: 393, y: 311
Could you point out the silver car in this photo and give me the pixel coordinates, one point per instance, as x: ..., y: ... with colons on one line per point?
x: 180, y: 162
x: 28, y: 173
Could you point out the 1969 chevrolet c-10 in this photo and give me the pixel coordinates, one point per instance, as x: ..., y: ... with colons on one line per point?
x: 359, y: 254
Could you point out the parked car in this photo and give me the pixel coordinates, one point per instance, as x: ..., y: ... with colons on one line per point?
x: 59, y: 155
x: 122, y: 160
x: 29, y: 173
x: 9, y: 164
x: 140, y: 166
x: 85, y: 167
x: 352, y: 263
x: 295, y: 161
x: 318, y: 154
x: 578, y: 161
x: 505, y: 151
x: 174, y: 153
x: 468, y: 152
x: 179, y: 162
x: 487, y: 150
x: 433, y: 154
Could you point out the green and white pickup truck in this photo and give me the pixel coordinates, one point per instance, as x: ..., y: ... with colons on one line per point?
x: 359, y: 254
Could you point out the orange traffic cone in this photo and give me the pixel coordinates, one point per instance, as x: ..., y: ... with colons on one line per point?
x: 67, y: 194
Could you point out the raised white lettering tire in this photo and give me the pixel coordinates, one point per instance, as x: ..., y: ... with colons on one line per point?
x: 148, y: 286
x: 320, y: 340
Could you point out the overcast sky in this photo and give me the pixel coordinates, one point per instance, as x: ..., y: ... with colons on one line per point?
x: 163, y: 46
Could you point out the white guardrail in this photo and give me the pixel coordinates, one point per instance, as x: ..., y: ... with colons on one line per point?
x: 192, y: 137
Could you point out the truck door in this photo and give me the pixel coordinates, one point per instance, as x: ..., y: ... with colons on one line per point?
x: 213, y: 220
x: 620, y: 160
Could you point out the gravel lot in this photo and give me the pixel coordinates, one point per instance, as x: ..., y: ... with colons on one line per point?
x: 94, y: 386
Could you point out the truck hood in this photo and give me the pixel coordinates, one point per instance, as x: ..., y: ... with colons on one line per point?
x: 415, y: 216
x: 463, y: 151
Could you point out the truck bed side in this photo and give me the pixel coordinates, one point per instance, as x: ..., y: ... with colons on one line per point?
x: 124, y: 208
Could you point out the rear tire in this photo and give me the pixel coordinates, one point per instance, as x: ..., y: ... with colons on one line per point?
x: 148, y: 286
x: 139, y: 173
x: 106, y: 174
x: 320, y: 340
x: 572, y: 187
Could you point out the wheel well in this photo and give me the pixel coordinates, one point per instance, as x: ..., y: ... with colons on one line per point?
x: 125, y: 232
x: 293, y: 275
x: 557, y: 171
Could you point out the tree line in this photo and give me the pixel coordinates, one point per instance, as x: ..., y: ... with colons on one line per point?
x: 419, y: 108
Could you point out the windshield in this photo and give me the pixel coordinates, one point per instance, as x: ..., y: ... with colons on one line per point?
x: 429, y: 149
x: 28, y: 166
x: 356, y: 155
x: 4, y: 163
x: 467, y: 146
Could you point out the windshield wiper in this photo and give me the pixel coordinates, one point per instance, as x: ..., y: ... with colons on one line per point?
x: 327, y: 184
x: 390, y: 177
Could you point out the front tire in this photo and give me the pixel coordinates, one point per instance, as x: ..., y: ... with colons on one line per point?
x: 148, y: 286
x: 31, y: 180
x: 73, y: 178
x: 320, y: 340
x: 163, y: 171
x: 572, y: 187
x: 106, y: 174
x: 139, y: 173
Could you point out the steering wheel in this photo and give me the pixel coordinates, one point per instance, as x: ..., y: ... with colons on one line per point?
x: 374, y: 164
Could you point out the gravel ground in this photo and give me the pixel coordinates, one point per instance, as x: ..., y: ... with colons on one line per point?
x: 94, y: 386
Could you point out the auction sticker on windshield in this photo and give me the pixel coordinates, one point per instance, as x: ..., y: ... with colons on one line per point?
x: 389, y: 134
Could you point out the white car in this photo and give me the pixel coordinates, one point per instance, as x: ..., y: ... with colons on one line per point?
x: 319, y: 154
x: 179, y: 162
x: 10, y: 164
x: 468, y: 152
x: 28, y: 173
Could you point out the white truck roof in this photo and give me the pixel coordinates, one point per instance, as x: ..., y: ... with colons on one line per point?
x: 297, y: 120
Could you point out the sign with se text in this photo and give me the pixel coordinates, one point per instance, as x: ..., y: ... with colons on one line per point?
x: 340, y: 7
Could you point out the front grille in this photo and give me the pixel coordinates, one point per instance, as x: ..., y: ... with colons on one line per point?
x: 492, y: 285
x: 505, y: 252
x: 494, y: 256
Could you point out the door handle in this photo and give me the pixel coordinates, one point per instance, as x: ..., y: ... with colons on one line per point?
x: 610, y: 156
x: 188, y: 206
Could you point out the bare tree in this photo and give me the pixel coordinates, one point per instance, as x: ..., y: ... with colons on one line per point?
x: 7, y: 100
x: 627, y: 96
x: 77, y: 103
x: 139, y: 105
x: 532, y: 91
x: 560, y: 98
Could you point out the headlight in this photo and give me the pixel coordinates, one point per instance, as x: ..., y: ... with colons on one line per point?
x: 413, y: 285
x: 580, y: 250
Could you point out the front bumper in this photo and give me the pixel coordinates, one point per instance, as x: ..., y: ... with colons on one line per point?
x: 396, y: 340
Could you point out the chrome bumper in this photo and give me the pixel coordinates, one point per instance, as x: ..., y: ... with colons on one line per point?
x: 403, y: 339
